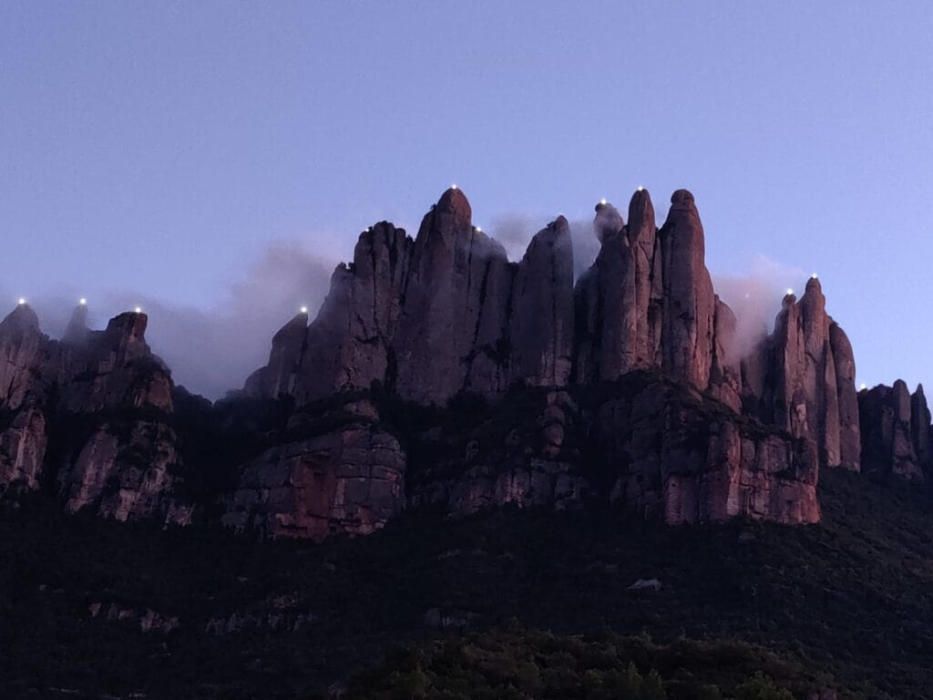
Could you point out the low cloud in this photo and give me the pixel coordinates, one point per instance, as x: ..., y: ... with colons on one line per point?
x: 212, y: 350
x: 755, y: 298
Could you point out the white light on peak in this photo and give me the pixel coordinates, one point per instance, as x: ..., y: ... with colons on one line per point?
x: 453, y: 186
x: 138, y: 309
x: 82, y: 301
x: 640, y: 188
x: 603, y: 201
x: 863, y: 386
x: 21, y: 301
x: 814, y: 276
x: 304, y: 309
x: 790, y: 291
x: 479, y: 230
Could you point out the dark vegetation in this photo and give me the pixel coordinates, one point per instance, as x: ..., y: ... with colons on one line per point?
x: 846, y: 604
x: 517, y: 663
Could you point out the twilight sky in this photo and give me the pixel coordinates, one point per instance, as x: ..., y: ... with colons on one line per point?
x: 211, y: 161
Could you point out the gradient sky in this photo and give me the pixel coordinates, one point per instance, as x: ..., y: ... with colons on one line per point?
x: 156, y: 150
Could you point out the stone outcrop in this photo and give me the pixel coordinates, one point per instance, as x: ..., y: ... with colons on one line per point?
x: 22, y: 349
x: 445, y: 301
x: 620, y: 299
x: 793, y: 381
x: 542, y: 323
x: 447, y: 314
x: 672, y: 453
x: 349, y: 345
x: 125, y: 472
x: 895, y: 429
x: 105, y: 401
x: 850, y: 441
x: 689, y: 302
x: 346, y: 478
x: 23, y: 444
x: 279, y: 376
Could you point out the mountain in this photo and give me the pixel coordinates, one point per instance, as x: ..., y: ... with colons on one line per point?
x: 515, y: 443
x: 438, y: 373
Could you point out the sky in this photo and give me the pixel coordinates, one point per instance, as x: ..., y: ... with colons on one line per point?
x: 212, y: 161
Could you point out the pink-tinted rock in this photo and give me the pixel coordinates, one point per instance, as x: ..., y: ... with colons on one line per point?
x: 348, y: 479
x: 126, y: 473
x: 278, y: 377
x: 23, y: 446
x: 888, y: 433
x: 809, y: 396
x: 725, y: 381
x: 850, y: 445
x: 542, y: 323
x: 444, y: 302
x: 649, y: 288
x: 620, y: 299
x: 21, y: 354
x: 689, y: 303
x: 349, y: 344
x: 680, y: 457
x: 618, y: 323
x: 115, y: 368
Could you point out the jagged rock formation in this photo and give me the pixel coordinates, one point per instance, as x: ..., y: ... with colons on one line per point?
x: 628, y: 386
x: 716, y: 436
x: 802, y: 379
x: 670, y: 451
x: 895, y: 431
x: 89, y: 413
x: 541, y: 327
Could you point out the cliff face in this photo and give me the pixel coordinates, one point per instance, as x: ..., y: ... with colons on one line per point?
x: 896, y: 431
x: 89, y: 414
x: 437, y: 373
x: 717, y: 435
x: 802, y: 379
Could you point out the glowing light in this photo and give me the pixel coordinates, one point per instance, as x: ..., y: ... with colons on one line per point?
x: 304, y: 309
x: 640, y: 188
x: 21, y: 301
x: 479, y: 230
x: 138, y: 309
x: 82, y: 301
x: 863, y: 386
x: 453, y: 187
x: 603, y: 201
x: 814, y: 276
x: 790, y: 291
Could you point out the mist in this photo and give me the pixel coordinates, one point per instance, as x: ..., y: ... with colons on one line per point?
x: 212, y: 350
x: 755, y: 298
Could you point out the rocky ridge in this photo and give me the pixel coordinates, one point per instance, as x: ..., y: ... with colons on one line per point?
x: 710, y: 434
x: 438, y: 374
x: 88, y: 417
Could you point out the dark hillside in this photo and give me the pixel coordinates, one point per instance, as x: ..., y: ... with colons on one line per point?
x: 850, y: 598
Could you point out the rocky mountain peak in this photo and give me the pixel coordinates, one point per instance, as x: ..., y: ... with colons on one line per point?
x: 77, y: 330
